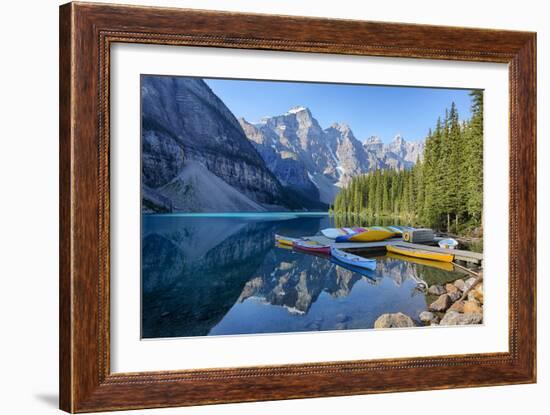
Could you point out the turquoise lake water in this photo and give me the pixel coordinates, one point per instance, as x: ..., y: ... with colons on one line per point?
x: 221, y: 274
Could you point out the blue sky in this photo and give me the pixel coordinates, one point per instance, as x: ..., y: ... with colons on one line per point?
x: 369, y: 110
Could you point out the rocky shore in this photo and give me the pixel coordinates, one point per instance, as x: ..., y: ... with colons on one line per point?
x: 456, y: 303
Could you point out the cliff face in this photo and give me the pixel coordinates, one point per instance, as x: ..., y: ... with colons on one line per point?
x: 352, y: 159
x: 289, y: 168
x: 185, y: 123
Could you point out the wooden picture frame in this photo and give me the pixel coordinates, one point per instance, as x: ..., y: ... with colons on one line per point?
x: 86, y: 33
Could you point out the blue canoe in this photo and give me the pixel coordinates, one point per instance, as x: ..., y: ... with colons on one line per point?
x: 353, y: 260
x: 364, y: 272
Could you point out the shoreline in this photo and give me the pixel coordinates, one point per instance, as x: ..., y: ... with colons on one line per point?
x: 457, y: 303
x: 466, y: 237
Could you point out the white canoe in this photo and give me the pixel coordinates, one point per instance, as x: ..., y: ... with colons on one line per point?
x: 351, y: 259
x: 448, y: 243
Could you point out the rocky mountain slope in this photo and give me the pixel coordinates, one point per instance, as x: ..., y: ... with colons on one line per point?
x: 187, y: 131
x: 303, y: 155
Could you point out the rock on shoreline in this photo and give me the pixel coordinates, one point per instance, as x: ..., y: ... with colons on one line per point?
x: 441, y: 304
x: 458, y: 311
x: 454, y: 318
x: 391, y: 320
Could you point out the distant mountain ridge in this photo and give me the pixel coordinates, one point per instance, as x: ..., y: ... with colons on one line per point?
x: 300, y: 153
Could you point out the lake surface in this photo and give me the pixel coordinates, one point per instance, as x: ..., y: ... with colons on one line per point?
x: 221, y: 274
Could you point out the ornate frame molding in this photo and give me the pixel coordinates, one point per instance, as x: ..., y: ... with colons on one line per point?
x: 86, y: 34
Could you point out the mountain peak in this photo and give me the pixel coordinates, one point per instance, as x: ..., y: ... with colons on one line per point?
x: 398, y: 139
x: 297, y: 109
x: 342, y: 127
x: 373, y: 139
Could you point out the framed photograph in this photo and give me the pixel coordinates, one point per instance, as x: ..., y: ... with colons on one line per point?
x: 258, y: 207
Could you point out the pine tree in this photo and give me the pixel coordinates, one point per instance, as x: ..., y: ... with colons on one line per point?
x: 385, y: 194
x: 418, y: 172
x: 378, y: 193
x: 475, y: 162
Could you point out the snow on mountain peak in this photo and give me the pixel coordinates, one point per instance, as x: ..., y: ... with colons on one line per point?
x: 297, y: 109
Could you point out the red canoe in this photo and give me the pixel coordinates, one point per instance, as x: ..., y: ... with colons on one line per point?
x: 311, y: 246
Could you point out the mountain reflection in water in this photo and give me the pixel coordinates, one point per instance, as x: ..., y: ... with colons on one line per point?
x: 220, y: 275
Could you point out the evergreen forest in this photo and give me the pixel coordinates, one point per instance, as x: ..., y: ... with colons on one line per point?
x: 444, y: 189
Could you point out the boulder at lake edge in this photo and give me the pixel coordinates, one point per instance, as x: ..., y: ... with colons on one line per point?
x: 457, y: 306
x: 391, y: 320
x: 469, y: 282
x: 426, y: 316
x: 436, y: 290
x: 441, y: 304
x: 478, y: 293
x: 453, y: 318
x: 472, y: 307
x: 471, y: 318
x: 460, y: 284
x: 450, y: 288
x: 455, y: 295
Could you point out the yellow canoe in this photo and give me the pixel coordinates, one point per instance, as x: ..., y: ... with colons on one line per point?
x: 445, y: 266
x: 418, y: 253
x: 394, y: 231
x: 284, y: 240
x: 288, y: 247
x: 371, y: 235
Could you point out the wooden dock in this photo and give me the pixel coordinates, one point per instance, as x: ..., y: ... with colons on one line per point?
x: 460, y: 255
